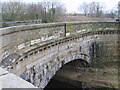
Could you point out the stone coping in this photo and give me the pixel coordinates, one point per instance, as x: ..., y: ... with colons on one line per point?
x: 7, y: 30
x: 9, y: 80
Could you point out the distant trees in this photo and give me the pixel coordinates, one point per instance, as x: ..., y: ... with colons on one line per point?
x: 52, y: 11
x: 96, y: 9
x: 85, y: 8
x: 12, y: 11
x: 47, y: 11
x: 111, y: 14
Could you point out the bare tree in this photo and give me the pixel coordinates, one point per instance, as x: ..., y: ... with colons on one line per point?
x: 119, y: 10
x: 85, y: 8
x: 94, y: 9
x: 52, y: 11
x: 0, y: 14
x: 13, y: 10
x: 47, y: 11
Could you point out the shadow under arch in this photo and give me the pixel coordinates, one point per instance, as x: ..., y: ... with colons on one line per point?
x: 40, y: 73
x: 76, y: 64
x: 59, y: 64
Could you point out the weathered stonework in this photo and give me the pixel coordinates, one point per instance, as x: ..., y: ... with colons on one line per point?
x: 15, y: 39
x: 37, y: 64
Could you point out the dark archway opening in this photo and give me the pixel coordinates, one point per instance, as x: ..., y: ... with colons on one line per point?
x: 60, y: 80
x: 79, y: 74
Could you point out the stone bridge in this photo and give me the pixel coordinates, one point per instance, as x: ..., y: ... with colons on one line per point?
x: 36, y: 52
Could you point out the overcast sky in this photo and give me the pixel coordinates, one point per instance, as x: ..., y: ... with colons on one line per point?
x: 72, y: 5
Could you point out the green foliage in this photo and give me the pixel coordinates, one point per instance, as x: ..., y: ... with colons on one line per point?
x: 116, y: 84
x: 70, y: 27
x: 32, y: 45
x: 44, y: 21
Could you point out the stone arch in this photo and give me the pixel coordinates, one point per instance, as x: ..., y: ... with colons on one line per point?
x: 40, y: 75
x: 73, y: 64
x: 60, y: 64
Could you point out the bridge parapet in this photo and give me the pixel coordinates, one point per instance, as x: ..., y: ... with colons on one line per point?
x: 39, y: 65
x: 15, y: 39
x: 49, y: 54
x: 9, y: 80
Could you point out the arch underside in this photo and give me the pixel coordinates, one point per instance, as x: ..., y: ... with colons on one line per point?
x: 51, y: 71
x: 60, y: 64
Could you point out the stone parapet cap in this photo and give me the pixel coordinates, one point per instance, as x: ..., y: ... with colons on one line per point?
x: 9, y: 80
x: 12, y: 29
